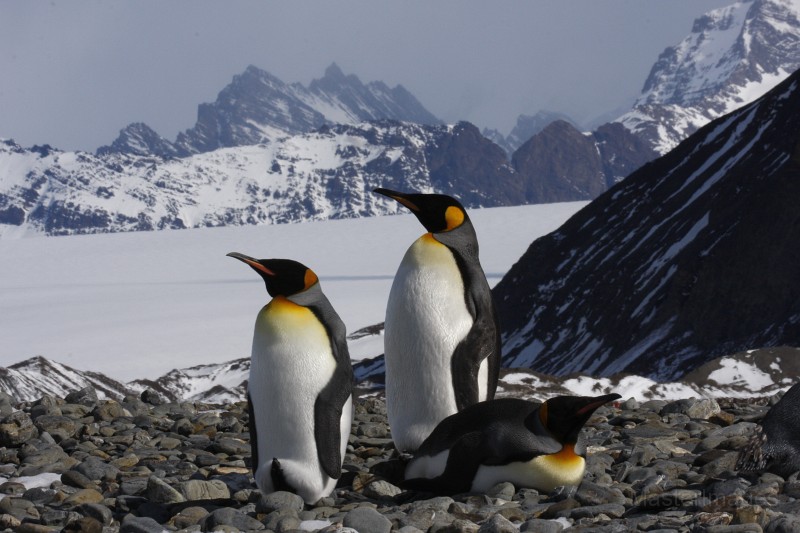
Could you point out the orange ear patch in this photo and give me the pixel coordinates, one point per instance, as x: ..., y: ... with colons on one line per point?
x: 543, y: 414
x: 310, y: 278
x: 454, y: 217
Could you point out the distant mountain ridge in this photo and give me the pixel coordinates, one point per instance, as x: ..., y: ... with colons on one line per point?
x: 755, y: 373
x: 257, y: 107
x: 324, y: 174
x: 690, y: 257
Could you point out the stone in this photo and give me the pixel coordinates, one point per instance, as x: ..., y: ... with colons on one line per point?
x: 87, y: 396
x: 198, y: 489
x: 188, y: 517
x: 101, y: 513
x: 536, y: 525
x: 497, y: 524
x: 140, y: 524
x: 96, y: 469
x: 366, y: 519
x: 73, y: 478
x: 381, y: 490
x: 16, y: 429
x: 503, y: 491
x: 225, y: 516
x: 280, y: 500
x: 83, y: 496
x: 59, y: 426
x: 109, y: 410
x: 19, y: 508
x: 158, y: 491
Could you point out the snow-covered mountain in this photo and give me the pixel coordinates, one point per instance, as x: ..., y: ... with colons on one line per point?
x: 266, y: 151
x: 526, y: 127
x: 691, y: 257
x: 732, y: 56
x: 328, y: 173
x: 37, y: 376
x: 561, y: 163
x: 756, y: 373
x: 257, y: 107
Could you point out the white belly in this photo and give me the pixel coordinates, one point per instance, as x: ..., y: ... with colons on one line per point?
x: 426, y: 318
x: 291, y: 363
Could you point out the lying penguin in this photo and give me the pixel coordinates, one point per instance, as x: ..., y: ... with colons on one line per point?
x: 776, y: 444
x: 527, y: 444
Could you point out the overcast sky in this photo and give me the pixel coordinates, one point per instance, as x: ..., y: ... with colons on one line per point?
x: 73, y: 73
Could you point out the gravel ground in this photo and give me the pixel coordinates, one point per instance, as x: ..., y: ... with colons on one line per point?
x: 79, y: 464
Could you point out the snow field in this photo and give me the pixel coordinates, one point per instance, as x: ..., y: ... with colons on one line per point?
x: 137, y: 305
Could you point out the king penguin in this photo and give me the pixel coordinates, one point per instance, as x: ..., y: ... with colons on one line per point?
x: 775, y: 447
x: 299, y: 391
x: 511, y: 440
x: 441, y: 339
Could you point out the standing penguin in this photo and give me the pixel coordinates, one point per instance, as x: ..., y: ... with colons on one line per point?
x: 507, y: 440
x: 441, y: 342
x: 775, y: 447
x: 300, y: 388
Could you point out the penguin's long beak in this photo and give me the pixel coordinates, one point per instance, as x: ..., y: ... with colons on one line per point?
x: 596, y: 403
x: 254, y: 263
x: 564, y: 416
x: 399, y: 197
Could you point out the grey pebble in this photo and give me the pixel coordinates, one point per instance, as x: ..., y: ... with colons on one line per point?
x: 140, y: 524
x: 367, y: 520
x: 497, y: 524
x: 269, y: 503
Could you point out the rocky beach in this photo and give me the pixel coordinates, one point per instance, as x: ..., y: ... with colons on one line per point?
x: 145, y: 464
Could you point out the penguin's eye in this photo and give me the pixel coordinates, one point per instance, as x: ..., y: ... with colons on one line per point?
x: 453, y: 217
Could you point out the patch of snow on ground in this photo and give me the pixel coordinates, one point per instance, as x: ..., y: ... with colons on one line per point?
x: 734, y: 372
x: 43, y: 480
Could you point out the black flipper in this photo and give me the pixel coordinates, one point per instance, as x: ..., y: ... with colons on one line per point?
x: 327, y: 416
x: 251, y: 426
x: 482, y: 340
x: 331, y: 400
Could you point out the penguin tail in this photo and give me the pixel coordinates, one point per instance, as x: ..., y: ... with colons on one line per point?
x: 278, y: 478
x: 752, y: 456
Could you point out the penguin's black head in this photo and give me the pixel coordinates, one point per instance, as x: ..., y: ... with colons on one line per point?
x: 283, y: 277
x: 437, y: 212
x: 564, y: 416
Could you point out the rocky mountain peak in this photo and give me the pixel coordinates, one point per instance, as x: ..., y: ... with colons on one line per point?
x: 258, y: 107
x: 733, y: 55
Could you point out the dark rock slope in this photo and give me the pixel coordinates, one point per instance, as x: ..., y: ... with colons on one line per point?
x: 692, y: 256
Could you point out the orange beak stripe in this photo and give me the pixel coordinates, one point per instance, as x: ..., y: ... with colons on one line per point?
x: 408, y: 203
x: 259, y: 266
